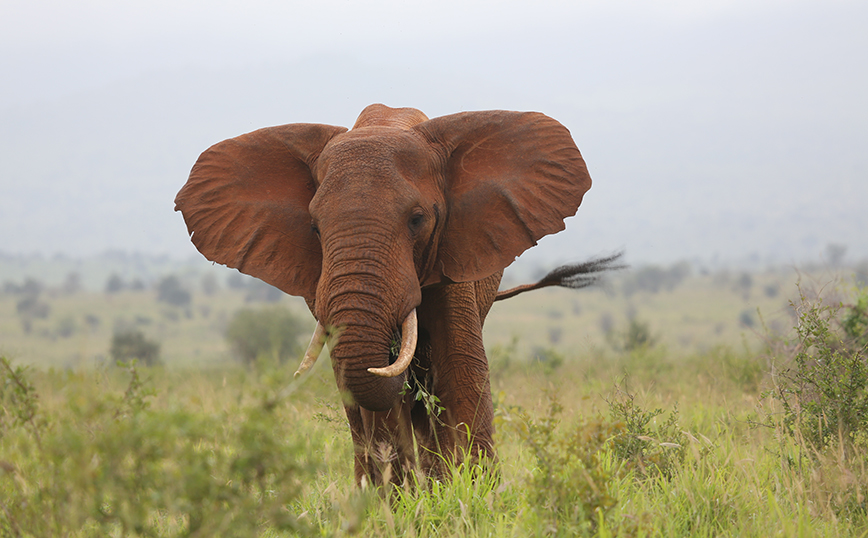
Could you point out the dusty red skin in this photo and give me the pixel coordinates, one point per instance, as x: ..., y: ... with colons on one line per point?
x: 400, y: 212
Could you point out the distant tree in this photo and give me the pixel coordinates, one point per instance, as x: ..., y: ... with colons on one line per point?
x: 132, y: 344
x: 653, y: 278
x: 92, y: 321
x: 31, y: 307
x: 66, y: 327
x: 636, y: 336
x: 11, y: 288
x: 32, y: 287
x: 258, y: 290
x: 114, y: 284
x: 555, y: 334
x: 170, y: 290
x: 272, y: 333
x: 72, y: 283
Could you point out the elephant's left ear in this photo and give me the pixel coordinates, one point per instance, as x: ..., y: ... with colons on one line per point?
x: 512, y: 178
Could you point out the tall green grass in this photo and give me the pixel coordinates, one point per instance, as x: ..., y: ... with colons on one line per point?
x: 607, y: 441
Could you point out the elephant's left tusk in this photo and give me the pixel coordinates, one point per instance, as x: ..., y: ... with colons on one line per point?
x: 409, y: 334
x: 317, y: 342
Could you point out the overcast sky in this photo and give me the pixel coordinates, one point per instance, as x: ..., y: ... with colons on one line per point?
x: 714, y: 130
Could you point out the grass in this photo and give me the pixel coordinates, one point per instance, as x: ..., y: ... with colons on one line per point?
x: 557, y: 462
x: 672, y: 439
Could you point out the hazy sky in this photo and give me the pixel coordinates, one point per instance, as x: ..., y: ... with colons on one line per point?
x: 713, y: 130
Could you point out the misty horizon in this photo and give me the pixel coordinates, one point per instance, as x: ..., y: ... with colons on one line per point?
x: 733, y: 133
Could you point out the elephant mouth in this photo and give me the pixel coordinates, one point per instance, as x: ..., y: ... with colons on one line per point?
x: 409, y: 336
x: 399, y: 357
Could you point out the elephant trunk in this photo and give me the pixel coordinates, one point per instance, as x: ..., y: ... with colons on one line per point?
x: 364, y: 302
x: 359, y: 346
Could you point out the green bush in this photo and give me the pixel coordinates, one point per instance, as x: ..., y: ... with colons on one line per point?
x: 548, y: 359
x: 270, y: 334
x: 635, y: 337
x: 111, y: 466
x: 653, y: 278
x: 114, y: 284
x: 134, y: 345
x: 855, y: 321
x: 171, y: 291
x: 570, y: 486
x: 647, y: 449
x: 824, y: 389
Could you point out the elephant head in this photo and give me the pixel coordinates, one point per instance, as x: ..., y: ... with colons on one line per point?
x: 359, y: 221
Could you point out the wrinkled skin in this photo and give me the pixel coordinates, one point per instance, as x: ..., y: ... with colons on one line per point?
x: 399, y: 213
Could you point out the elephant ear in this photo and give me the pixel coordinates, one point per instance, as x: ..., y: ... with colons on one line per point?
x: 511, y: 178
x: 246, y: 204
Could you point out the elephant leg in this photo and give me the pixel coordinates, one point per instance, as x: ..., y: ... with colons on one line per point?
x: 453, y: 316
x: 382, y: 443
x: 486, y: 292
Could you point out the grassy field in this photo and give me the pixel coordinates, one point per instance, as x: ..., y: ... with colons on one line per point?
x: 696, y: 314
x: 600, y: 432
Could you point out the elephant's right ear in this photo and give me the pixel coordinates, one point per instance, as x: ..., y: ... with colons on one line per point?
x: 246, y: 204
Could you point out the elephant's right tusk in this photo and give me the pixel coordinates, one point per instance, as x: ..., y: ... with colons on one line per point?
x: 409, y: 335
x: 317, y: 342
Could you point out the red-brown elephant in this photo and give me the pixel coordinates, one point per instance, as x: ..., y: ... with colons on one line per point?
x: 395, y: 231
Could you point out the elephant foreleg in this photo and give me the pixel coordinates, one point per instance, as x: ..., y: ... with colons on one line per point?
x: 459, y: 368
x: 382, y: 443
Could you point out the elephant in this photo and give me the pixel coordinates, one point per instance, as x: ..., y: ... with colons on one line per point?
x: 396, y: 233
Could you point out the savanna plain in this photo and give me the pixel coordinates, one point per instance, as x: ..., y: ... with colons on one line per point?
x: 668, y: 402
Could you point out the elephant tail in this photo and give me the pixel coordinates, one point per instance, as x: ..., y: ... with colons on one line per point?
x: 574, y: 276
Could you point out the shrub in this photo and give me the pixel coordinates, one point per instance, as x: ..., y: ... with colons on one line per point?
x: 855, y: 321
x: 635, y: 337
x: 648, y: 450
x: 133, y: 345
x: 72, y: 283
x: 31, y: 307
x: 824, y: 389
x: 66, y: 327
x: 170, y: 290
x: 269, y: 333
x: 570, y: 486
x: 652, y: 278
x: 114, y: 284
x: 258, y: 290
x: 746, y: 319
x: 548, y: 358
x: 110, y: 465
x: 32, y: 287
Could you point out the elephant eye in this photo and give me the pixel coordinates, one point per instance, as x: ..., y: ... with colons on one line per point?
x: 416, y: 221
x: 314, y: 229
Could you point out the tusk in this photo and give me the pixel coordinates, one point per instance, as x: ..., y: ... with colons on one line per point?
x: 317, y: 341
x: 409, y: 334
